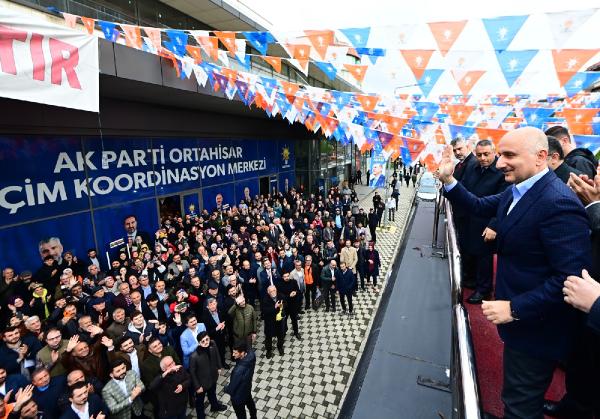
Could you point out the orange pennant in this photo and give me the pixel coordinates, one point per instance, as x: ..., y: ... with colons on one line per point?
x: 165, y: 53
x: 300, y: 51
x: 210, y: 45
x: 569, y: 61
x: 303, y: 65
x: 368, y: 102
x: 446, y: 33
x: 195, y: 53
x: 440, y: 138
x: 133, y: 36
x: 290, y: 89
x: 459, y: 114
x: 494, y: 135
x: 430, y: 163
x: 299, y: 103
x: 275, y: 62
x: 89, y: 24
x: 579, y: 119
x: 230, y: 74
x: 358, y: 71
x: 320, y: 40
x: 414, y: 147
x: 227, y: 38
x: 154, y: 36
x: 417, y: 60
x: 469, y: 80
x: 395, y: 124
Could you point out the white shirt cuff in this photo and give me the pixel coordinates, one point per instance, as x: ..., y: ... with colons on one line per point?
x: 450, y: 186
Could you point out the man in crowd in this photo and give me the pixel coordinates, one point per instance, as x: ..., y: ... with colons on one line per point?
x: 240, y: 382
x: 579, y: 158
x: 122, y: 393
x: 478, y: 235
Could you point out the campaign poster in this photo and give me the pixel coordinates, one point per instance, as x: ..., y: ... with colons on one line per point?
x: 246, y: 190
x: 287, y: 181
x: 191, y: 204
x: 378, y: 164
x: 219, y: 197
x: 115, y: 224
x: 26, y: 245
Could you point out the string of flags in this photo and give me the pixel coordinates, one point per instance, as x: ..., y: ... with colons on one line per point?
x: 412, y: 125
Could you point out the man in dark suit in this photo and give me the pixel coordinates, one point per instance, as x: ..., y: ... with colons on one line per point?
x: 466, y: 163
x: 214, y: 320
x: 556, y: 161
x: 542, y: 237
x: 479, y: 233
x: 463, y: 153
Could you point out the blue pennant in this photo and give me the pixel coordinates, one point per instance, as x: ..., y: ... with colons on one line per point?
x: 269, y: 84
x: 341, y: 99
x: 513, y: 63
x: 371, y: 136
x: 461, y: 131
x: 372, y: 53
x: 358, y: 37
x: 581, y: 81
x: 360, y: 118
x: 109, y: 30
x: 536, y: 117
x: 283, y: 104
x: 178, y: 42
x: 326, y: 68
x: 245, y: 62
x: 259, y: 40
x: 596, y: 128
x: 428, y: 80
x: 502, y: 30
x: 324, y: 108
x: 426, y: 110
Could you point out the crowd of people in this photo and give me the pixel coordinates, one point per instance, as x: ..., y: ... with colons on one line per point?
x: 534, y: 202
x: 148, y: 334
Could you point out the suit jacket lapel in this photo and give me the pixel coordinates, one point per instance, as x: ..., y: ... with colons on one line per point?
x: 521, y: 208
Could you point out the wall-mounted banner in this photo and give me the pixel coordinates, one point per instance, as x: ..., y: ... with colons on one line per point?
x: 56, y: 176
x: 45, y: 63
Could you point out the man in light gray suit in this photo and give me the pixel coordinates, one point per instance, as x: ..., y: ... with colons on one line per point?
x: 122, y: 392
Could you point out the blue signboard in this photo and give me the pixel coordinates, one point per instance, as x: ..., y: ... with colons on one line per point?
x: 49, y: 185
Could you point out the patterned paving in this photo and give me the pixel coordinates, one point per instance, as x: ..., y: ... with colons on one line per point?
x: 310, y: 380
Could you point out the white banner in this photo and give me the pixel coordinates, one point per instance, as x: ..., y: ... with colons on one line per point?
x: 46, y: 63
